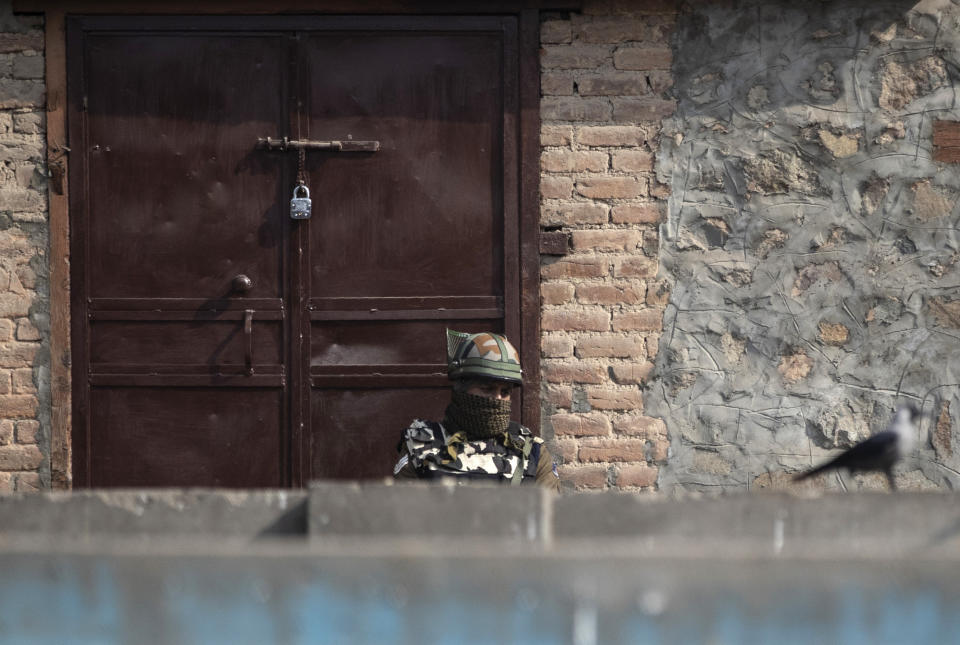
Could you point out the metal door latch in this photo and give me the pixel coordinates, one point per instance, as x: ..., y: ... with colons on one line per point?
x: 349, y: 145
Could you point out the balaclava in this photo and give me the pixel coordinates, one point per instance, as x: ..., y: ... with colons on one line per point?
x: 477, y: 417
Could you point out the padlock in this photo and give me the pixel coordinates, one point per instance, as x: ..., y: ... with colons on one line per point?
x: 300, y: 207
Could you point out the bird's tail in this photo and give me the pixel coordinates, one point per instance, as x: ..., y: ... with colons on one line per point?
x: 814, y: 471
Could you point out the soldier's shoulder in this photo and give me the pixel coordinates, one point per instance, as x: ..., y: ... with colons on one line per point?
x: 526, y: 433
x: 422, y: 431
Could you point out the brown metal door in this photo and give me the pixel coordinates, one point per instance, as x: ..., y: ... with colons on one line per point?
x: 218, y: 342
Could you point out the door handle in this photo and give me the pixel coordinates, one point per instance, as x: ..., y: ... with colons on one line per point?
x: 242, y: 283
x: 248, y: 333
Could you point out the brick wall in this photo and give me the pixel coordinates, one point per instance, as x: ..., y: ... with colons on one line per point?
x: 605, y: 84
x: 24, y: 293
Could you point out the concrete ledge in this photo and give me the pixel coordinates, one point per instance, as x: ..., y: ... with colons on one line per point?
x: 427, y: 511
x: 760, y: 525
x: 155, y: 513
x: 766, y: 524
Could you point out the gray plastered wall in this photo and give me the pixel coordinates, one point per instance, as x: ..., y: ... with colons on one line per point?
x: 811, y: 241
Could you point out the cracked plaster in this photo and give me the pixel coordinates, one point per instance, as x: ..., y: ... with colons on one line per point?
x: 811, y: 241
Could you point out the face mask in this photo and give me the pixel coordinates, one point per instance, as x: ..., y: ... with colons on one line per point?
x: 478, y: 417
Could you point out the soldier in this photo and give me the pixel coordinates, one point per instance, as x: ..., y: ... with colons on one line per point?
x: 477, y: 440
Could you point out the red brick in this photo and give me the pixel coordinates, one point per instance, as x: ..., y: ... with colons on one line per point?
x: 608, y: 398
x: 27, y: 431
x: 592, y: 476
x: 642, y: 109
x: 648, y: 213
x: 556, y: 135
x: 660, y: 191
x: 632, y: 160
x: 612, y: 135
x: 609, y: 346
x: 17, y: 406
x: 612, y: 30
x: 646, y: 320
x: 637, y: 476
x: 640, y: 426
x: 574, y: 373
x: 554, y: 243
x: 556, y: 84
x: 611, y: 294
x: 574, y: 108
x: 23, y: 381
x: 577, y: 266
x: 31, y: 41
x: 574, y: 213
x: 563, y: 320
x: 658, y: 294
x: 613, y: 84
x: 27, y: 482
x: 555, y: 31
x: 607, y: 240
x: 653, y: 346
x: 651, y: 242
x: 556, y: 346
x: 26, y: 330
x: 6, y: 329
x: 555, y: 293
x: 560, y: 396
x: 613, y: 450
x: 580, y: 425
x: 632, y: 373
x: 642, y: 58
x: 567, y: 449
x: 574, y: 56
x: 19, y: 457
x: 659, y: 450
x: 573, y: 161
x: 635, y: 266
x: 611, y: 187
x: 659, y: 81
x: 555, y: 187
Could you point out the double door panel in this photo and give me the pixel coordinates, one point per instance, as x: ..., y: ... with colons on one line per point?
x: 216, y: 341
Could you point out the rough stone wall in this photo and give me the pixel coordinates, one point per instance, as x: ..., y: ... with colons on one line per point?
x: 605, y: 80
x: 24, y: 292
x: 811, y: 242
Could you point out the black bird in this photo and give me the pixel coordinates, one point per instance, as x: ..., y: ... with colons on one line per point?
x: 879, y: 452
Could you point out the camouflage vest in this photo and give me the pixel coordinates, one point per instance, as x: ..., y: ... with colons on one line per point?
x: 435, y: 453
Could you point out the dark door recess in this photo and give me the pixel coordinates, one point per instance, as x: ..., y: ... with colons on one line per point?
x: 217, y: 341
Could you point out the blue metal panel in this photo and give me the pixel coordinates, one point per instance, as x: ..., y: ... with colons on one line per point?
x: 303, y: 597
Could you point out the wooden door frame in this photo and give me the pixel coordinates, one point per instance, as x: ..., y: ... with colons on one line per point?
x: 528, y: 138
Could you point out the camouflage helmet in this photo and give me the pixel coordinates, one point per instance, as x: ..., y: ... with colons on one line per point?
x: 483, y: 356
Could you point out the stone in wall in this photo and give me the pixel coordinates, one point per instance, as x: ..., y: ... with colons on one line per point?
x: 810, y: 240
